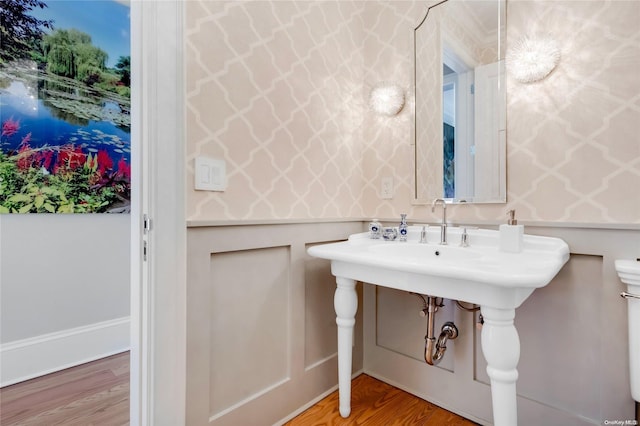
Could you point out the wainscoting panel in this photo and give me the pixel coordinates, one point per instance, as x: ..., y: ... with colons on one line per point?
x: 260, y: 321
x: 574, y: 367
x: 255, y: 333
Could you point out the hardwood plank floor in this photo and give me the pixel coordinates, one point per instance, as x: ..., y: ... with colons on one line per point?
x: 91, y: 394
x: 97, y: 394
x: 375, y: 403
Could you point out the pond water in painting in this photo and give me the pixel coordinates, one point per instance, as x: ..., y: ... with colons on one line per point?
x: 56, y: 125
x: 65, y: 148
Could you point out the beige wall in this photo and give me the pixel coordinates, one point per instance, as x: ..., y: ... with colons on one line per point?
x: 277, y: 89
x: 575, y: 139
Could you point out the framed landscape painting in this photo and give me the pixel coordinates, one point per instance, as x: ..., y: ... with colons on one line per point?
x: 65, y: 105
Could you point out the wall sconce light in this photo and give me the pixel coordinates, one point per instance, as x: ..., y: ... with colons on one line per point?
x: 531, y: 59
x: 386, y: 99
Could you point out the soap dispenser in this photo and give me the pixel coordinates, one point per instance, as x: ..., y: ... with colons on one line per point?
x: 403, y: 228
x: 511, y: 234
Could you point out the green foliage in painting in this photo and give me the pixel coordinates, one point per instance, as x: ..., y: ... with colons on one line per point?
x: 124, y: 69
x: 63, y: 52
x: 20, y: 33
x: 60, y: 60
x: 69, y: 53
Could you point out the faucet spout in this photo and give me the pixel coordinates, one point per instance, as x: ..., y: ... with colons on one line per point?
x: 443, y: 227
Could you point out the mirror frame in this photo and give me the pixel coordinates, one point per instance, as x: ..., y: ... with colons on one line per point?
x: 501, y: 40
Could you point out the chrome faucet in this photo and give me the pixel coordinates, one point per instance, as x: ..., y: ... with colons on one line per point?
x: 443, y: 227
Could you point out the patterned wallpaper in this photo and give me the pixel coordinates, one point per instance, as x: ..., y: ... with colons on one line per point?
x: 275, y: 88
x: 574, y: 138
x: 278, y: 89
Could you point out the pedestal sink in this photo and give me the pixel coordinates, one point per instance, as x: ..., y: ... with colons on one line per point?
x: 499, y: 282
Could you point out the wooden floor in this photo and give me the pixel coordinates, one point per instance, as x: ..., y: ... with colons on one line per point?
x: 97, y: 394
x: 92, y: 394
x: 374, y: 403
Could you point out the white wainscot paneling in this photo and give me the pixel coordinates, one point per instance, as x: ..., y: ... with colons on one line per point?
x: 250, y: 314
x: 573, y: 367
x: 261, y: 333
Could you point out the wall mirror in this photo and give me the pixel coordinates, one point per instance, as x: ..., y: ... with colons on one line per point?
x: 460, y: 102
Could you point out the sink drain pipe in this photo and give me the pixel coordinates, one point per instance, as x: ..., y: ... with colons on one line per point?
x: 434, y: 348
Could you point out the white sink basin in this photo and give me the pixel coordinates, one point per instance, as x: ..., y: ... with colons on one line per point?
x: 499, y: 282
x: 421, y: 253
x: 479, y: 273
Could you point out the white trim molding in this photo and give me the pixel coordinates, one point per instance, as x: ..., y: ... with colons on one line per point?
x: 158, y: 281
x: 22, y: 359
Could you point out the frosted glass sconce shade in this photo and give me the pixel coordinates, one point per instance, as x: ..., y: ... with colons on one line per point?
x: 386, y: 99
x: 531, y: 59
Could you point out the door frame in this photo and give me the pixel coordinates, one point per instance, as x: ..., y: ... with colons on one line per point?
x: 158, y: 283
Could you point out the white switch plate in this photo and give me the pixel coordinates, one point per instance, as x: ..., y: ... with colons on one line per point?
x: 386, y: 188
x: 210, y: 174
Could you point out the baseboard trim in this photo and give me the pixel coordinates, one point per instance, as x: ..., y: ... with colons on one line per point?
x: 33, y: 357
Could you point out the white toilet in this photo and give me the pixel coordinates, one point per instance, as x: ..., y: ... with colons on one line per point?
x: 629, y: 273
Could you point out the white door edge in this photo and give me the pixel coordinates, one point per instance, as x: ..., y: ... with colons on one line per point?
x: 158, y: 284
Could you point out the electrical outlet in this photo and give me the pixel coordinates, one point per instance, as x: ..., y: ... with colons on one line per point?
x: 386, y: 188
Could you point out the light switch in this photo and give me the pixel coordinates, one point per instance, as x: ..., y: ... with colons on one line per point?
x: 210, y: 174
x: 205, y: 173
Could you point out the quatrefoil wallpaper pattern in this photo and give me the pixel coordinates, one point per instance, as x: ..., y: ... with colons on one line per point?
x: 278, y: 89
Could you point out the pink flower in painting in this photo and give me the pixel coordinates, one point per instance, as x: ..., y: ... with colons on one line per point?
x: 69, y: 159
x: 104, y: 161
x: 124, y: 170
x: 60, y: 162
x: 10, y: 127
x: 47, y: 157
x: 79, y: 157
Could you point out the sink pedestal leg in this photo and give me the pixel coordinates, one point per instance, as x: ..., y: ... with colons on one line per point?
x: 501, y: 349
x: 345, y: 302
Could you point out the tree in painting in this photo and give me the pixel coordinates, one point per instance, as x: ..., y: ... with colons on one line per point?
x: 20, y: 32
